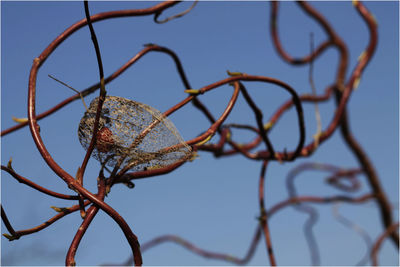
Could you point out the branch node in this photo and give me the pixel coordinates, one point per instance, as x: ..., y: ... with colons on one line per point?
x: 228, y: 136
x: 205, y: 140
x: 278, y: 157
x: 11, y: 237
x: 268, y: 125
x: 356, y: 83
x: 316, y: 137
x: 149, y: 44
x: 9, y: 164
x: 193, y: 156
x: 193, y: 91
x: 36, y: 60
x: 234, y: 73
x: 263, y: 216
x: 57, y: 209
x: 19, y: 120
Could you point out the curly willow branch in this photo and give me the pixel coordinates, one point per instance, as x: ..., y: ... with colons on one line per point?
x: 343, y: 91
x: 132, y: 239
x: 341, y: 88
x: 199, y: 251
x: 388, y: 232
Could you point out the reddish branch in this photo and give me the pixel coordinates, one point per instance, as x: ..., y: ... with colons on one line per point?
x: 132, y: 239
x: 375, y: 249
x: 341, y: 88
x: 33, y: 185
x: 272, y: 211
x: 265, y: 155
x: 102, y: 97
x: 343, y: 91
x: 363, y: 159
x: 338, y: 175
x: 318, y: 200
x: 7, y: 223
x: 202, y: 252
x: 90, y: 214
x: 264, y: 216
x: 124, y: 176
x: 61, y: 213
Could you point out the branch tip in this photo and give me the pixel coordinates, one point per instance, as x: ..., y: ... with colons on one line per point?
x: 19, y: 120
x: 57, y: 209
x: 234, y: 73
x: 268, y: 125
x: 9, y: 164
x: 149, y: 44
x: 10, y: 237
x: 356, y: 83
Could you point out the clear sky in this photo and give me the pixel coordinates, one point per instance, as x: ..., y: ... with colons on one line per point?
x: 211, y: 202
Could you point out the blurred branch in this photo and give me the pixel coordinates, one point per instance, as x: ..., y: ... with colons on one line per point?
x: 356, y: 228
x: 377, y: 245
x: 264, y: 215
x: 156, y: 15
x: 201, y: 252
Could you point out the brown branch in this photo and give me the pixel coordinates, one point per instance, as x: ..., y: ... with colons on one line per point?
x: 132, y: 239
x: 102, y: 96
x: 156, y: 15
x: 99, y: 17
x: 272, y: 121
x: 215, y: 126
x: 259, y: 116
x: 264, y: 216
x: 7, y: 223
x: 363, y: 159
x: 296, y: 100
x: 61, y: 213
x: 130, y: 236
x: 208, y: 134
x: 318, y: 200
x: 375, y: 249
x: 110, y: 78
x: 356, y: 228
x: 90, y: 214
x: 342, y: 95
x: 313, y: 215
x: 348, y: 175
x: 278, y: 45
x: 35, y: 186
x: 341, y: 87
x: 199, y: 251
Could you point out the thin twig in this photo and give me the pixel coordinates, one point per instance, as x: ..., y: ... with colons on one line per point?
x: 174, y: 16
x: 378, y: 243
x: 264, y: 216
x: 199, y: 251
x: 7, y: 222
x: 360, y: 231
x: 35, y: 186
x: 70, y: 87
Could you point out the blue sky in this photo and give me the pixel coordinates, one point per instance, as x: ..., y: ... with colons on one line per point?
x: 211, y: 202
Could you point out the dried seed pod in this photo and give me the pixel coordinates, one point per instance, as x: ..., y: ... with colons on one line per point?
x: 133, y: 135
x: 105, y: 140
